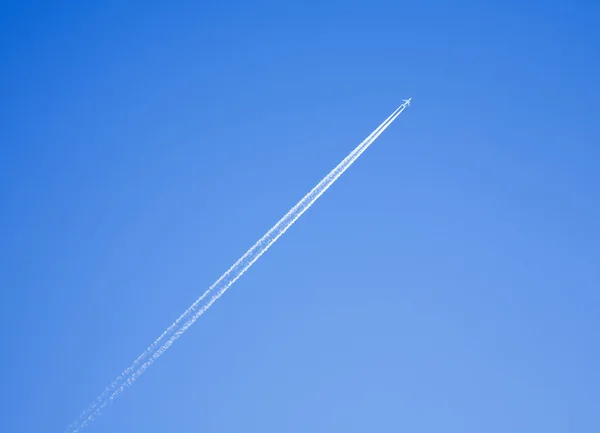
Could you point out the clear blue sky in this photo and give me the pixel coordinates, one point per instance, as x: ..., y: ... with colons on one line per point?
x: 449, y: 282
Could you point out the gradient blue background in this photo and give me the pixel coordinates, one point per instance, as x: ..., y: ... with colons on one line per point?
x: 449, y: 282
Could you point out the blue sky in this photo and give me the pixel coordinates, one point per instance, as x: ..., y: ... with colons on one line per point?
x: 448, y: 282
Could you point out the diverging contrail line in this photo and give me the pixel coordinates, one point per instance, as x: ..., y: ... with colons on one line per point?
x: 189, y: 316
x: 89, y: 413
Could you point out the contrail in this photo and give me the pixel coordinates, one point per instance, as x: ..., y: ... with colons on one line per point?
x: 116, y: 383
x: 189, y: 316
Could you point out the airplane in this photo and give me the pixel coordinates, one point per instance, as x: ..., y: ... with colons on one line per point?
x: 407, y: 101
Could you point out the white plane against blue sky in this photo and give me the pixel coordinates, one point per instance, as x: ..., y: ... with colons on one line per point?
x: 407, y: 101
x: 473, y: 217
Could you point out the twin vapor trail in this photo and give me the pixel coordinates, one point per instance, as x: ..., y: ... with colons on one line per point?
x: 216, y: 290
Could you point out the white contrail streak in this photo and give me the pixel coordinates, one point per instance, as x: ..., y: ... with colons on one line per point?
x: 116, y: 383
x: 189, y: 316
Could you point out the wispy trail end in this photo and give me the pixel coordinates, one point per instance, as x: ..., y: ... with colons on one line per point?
x: 216, y: 290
